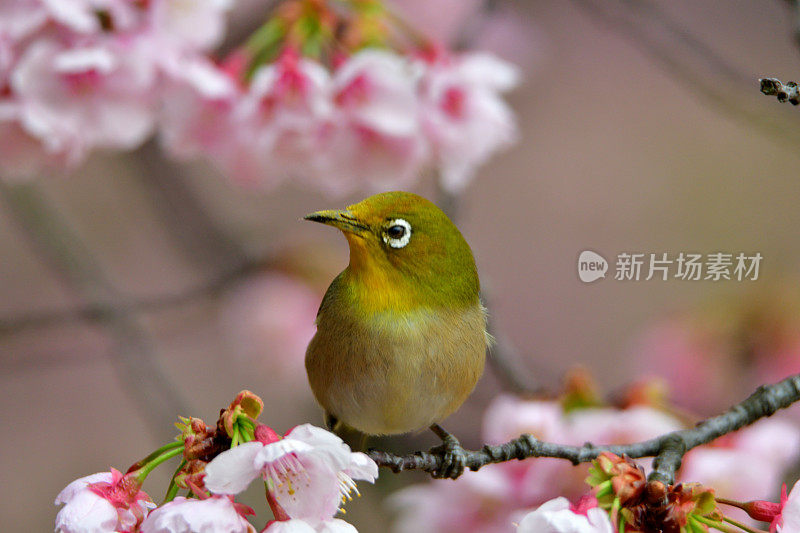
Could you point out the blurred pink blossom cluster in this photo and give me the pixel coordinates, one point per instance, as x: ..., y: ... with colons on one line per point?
x: 744, y: 465
x: 376, y: 119
x: 709, y: 356
x: 79, y: 75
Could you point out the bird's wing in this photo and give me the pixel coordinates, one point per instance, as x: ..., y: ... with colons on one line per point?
x: 331, y: 294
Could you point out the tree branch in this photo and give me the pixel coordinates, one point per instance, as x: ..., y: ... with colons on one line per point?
x: 134, y: 356
x: 667, y: 449
x: 92, y: 313
x: 784, y: 92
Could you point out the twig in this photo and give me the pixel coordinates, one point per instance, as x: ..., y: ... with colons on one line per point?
x: 632, y: 23
x: 91, y: 313
x: 134, y: 356
x: 784, y: 92
x: 667, y: 449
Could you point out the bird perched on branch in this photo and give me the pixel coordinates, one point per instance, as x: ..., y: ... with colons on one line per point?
x: 401, y: 333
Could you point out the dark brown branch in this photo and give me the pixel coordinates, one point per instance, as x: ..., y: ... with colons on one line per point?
x: 667, y: 449
x: 784, y: 92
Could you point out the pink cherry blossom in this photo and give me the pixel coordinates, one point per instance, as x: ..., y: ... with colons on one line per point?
x: 198, y: 100
x: 195, y: 25
x: 692, y: 359
x: 619, y: 426
x: 80, y: 97
x: 81, y: 16
x: 20, y: 18
x: 507, y: 417
x: 269, y: 320
x: 485, y: 501
x: 189, y: 515
x: 539, y: 480
x: 280, y: 121
x: 747, y: 464
x: 789, y: 519
x: 100, y: 503
x: 308, y: 472
x: 464, y: 117
x: 556, y: 516
x: 300, y: 526
x: 377, y: 137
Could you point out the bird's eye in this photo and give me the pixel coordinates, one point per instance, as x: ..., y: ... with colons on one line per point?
x: 397, y: 233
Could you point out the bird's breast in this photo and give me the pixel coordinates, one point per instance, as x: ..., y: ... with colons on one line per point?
x: 395, y: 372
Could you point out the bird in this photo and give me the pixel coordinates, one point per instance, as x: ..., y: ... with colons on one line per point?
x: 401, y: 335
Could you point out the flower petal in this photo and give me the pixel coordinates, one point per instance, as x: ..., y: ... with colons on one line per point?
x: 232, y: 471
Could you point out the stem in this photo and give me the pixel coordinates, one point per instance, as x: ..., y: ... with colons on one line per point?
x: 172, y: 490
x: 149, y: 467
x: 138, y: 464
x: 742, y: 526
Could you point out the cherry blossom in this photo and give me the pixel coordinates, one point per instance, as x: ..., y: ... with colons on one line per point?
x: 486, y: 501
x: 308, y: 472
x: 280, y: 121
x: 788, y: 521
x: 20, y: 18
x: 619, y: 426
x: 557, y: 516
x: 198, y: 100
x: 377, y: 137
x: 269, y: 320
x: 464, y: 117
x: 189, y: 515
x: 507, y: 417
x: 747, y: 464
x: 300, y: 526
x: 81, y: 97
x: 101, y: 503
x: 189, y: 24
x: 81, y: 16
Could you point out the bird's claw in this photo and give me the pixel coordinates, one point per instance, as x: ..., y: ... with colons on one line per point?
x: 454, y: 458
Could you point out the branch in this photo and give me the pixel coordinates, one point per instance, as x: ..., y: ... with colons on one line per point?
x: 784, y: 92
x: 134, y: 356
x: 698, y: 69
x: 92, y: 313
x: 667, y: 449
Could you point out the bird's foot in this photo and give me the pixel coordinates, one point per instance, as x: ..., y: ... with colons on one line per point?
x: 454, y: 456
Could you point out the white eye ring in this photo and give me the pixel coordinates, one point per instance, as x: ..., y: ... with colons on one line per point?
x: 401, y: 241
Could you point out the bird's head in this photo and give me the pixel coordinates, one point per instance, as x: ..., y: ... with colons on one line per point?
x: 400, y: 241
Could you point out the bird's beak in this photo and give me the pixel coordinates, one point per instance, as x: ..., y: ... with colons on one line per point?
x: 342, y: 219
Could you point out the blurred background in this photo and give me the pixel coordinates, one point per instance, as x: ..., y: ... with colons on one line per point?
x: 165, y: 288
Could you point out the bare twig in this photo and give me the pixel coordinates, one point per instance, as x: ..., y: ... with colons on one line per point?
x: 658, y: 37
x: 134, y: 355
x: 783, y: 91
x: 89, y: 312
x: 667, y: 449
